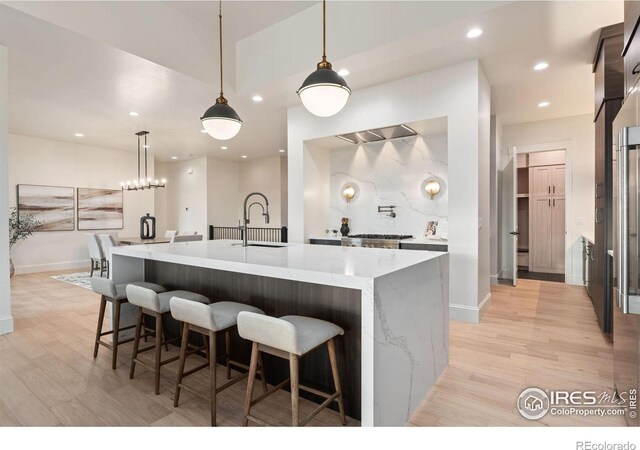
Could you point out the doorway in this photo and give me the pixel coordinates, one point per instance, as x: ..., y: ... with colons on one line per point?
x: 538, y: 231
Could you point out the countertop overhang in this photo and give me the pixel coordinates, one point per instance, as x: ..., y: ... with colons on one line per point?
x: 335, y: 266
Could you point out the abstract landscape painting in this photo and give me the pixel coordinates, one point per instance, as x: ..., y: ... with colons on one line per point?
x: 100, y: 209
x: 53, y: 205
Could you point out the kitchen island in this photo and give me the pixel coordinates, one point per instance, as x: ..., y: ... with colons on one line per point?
x: 392, y: 304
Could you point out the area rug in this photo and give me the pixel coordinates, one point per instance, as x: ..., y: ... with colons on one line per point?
x: 80, y: 279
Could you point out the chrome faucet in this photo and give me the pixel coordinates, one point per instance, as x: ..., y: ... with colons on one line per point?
x: 247, y: 211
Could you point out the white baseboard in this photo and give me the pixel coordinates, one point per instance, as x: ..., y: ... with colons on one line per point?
x: 575, y: 280
x: 6, y: 325
x: 36, y: 268
x: 493, y: 279
x: 471, y: 314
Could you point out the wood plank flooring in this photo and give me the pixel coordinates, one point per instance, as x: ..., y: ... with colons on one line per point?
x: 541, y: 334
x: 48, y: 375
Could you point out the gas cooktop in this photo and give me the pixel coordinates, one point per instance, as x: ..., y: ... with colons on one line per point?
x: 380, y: 236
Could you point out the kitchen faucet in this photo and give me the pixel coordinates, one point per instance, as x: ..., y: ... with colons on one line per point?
x: 247, y: 211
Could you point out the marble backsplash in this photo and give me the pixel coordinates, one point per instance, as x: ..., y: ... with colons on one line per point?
x: 390, y: 173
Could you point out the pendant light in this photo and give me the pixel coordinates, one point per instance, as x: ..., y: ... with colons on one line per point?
x: 221, y: 121
x: 324, y: 92
x: 140, y: 183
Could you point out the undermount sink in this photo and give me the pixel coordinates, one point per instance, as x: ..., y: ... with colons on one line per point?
x: 266, y: 245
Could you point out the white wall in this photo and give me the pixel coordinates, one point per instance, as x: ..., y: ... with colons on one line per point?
x: 459, y: 93
x: 46, y: 162
x: 223, y: 192
x: 187, y: 196
x: 389, y: 173
x: 284, y: 191
x: 6, y: 320
x: 495, y: 183
x: 262, y: 175
x: 579, y: 133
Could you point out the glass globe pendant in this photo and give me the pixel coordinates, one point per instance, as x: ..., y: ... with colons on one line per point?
x: 221, y: 121
x: 324, y: 92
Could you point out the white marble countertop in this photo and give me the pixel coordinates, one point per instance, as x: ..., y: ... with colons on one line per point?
x: 322, y: 264
x: 588, y: 237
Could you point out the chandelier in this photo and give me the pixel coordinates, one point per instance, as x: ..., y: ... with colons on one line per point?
x: 141, y: 183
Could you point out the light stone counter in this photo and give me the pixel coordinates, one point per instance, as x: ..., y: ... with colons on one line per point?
x: 404, y: 306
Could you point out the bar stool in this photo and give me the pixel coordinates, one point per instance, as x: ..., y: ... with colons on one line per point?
x: 289, y: 337
x: 209, y: 320
x: 115, y: 294
x: 156, y: 306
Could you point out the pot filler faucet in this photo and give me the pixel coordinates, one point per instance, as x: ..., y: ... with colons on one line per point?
x: 247, y: 211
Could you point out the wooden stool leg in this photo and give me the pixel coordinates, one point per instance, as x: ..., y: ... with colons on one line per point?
x: 136, y: 343
x: 253, y: 366
x: 158, y: 352
x: 227, y: 344
x: 264, y: 380
x: 103, y: 306
x: 295, y: 393
x: 331, y: 345
x: 183, y: 358
x: 116, y: 333
x: 93, y: 267
x: 212, y: 375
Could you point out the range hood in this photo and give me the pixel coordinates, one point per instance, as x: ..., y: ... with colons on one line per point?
x: 378, y: 134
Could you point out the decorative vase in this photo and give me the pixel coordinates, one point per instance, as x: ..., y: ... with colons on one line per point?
x: 147, y: 227
x: 344, y: 229
x: 12, y: 269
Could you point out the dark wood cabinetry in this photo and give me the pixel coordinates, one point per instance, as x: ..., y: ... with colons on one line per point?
x: 609, y: 77
x: 631, y: 49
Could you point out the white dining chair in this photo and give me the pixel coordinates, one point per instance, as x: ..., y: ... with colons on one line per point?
x: 186, y: 238
x: 95, y: 253
x: 107, y: 241
x: 170, y: 233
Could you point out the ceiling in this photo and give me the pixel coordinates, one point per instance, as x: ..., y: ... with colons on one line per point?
x: 80, y: 67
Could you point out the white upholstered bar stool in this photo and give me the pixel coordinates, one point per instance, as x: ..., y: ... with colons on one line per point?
x: 157, y: 306
x: 116, y: 295
x: 289, y: 337
x: 209, y: 320
x: 107, y: 242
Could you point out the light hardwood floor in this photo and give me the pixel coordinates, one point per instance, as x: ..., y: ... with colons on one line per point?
x: 49, y: 377
x: 539, y: 334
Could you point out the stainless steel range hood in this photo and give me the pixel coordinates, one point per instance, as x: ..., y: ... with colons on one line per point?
x: 378, y: 134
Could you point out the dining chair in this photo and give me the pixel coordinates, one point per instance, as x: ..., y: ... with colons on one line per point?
x: 170, y: 233
x: 95, y: 253
x: 107, y: 241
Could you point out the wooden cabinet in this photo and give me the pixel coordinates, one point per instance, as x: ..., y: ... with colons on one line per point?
x: 631, y: 46
x: 547, y: 222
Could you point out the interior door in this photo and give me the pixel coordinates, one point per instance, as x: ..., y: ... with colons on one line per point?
x: 510, y: 179
x: 541, y: 233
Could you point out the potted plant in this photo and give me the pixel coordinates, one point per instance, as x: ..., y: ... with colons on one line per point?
x: 20, y: 228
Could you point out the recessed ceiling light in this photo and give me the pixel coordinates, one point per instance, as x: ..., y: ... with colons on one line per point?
x: 256, y: 98
x: 174, y: 157
x: 474, y: 33
x: 133, y: 114
x: 244, y: 156
x: 541, y: 66
x: 543, y: 104
x: 343, y: 72
x: 224, y: 147
x: 281, y: 150
x: 79, y: 135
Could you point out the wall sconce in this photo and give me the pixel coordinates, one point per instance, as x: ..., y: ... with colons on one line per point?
x: 432, y: 187
x: 349, y: 191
